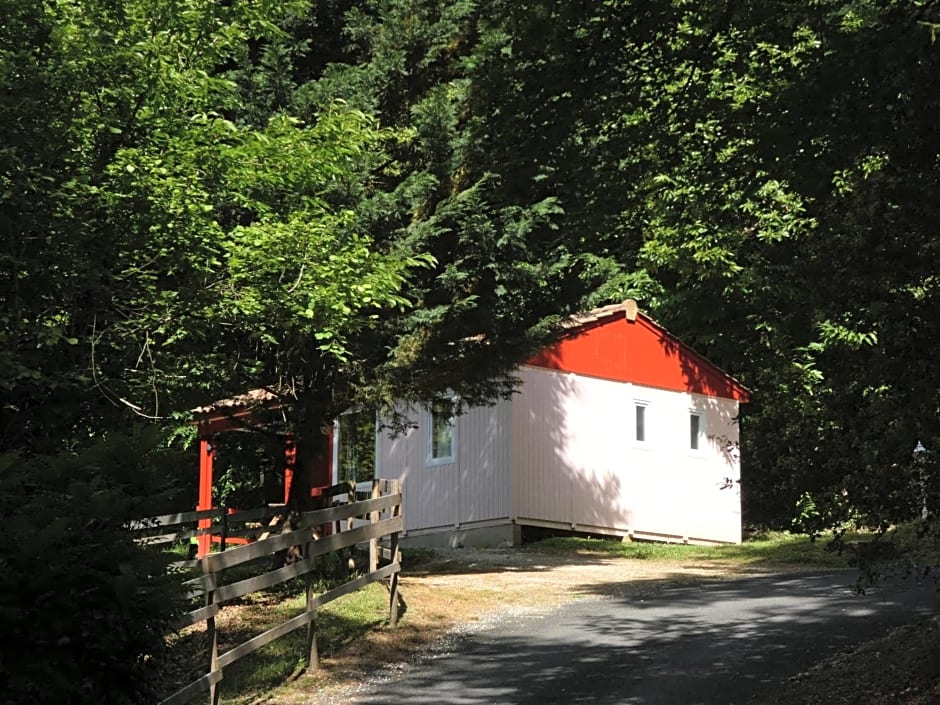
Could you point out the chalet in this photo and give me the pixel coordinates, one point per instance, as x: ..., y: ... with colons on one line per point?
x: 617, y: 429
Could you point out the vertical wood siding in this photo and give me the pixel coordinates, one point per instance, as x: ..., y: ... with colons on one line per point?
x: 475, y: 487
x: 484, y: 459
x: 577, y: 462
x: 563, y: 451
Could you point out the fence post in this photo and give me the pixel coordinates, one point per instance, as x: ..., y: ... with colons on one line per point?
x: 350, y: 525
x: 211, y: 634
x: 313, y: 657
x: 374, y: 519
x: 395, y: 556
x: 223, y: 536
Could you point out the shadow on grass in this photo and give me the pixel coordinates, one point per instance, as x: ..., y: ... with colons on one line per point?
x: 472, y: 561
x: 339, y: 624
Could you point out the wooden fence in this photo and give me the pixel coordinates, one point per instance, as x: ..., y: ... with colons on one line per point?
x: 355, y: 520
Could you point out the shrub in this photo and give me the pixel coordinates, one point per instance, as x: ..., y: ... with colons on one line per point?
x: 83, y: 608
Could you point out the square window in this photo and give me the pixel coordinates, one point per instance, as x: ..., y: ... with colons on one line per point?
x: 441, y: 432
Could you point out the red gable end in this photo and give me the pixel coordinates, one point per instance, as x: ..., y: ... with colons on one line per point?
x: 607, y: 345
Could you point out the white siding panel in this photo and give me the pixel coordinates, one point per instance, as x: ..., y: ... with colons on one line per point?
x: 577, y: 462
x: 475, y: 487
x: 543, y: 482
x: 563, y: 451
x: 429, y: 494
x: 484, y: 463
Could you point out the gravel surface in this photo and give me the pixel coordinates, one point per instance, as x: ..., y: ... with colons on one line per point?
x: 459, y: 593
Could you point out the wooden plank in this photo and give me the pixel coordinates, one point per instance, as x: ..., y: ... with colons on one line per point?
x: 185, y: 565
x: 212, y: 635
x: 374, y: 519
x: 199, y: 615
x: 354, y: 585
x: 346, y: 511
x: 184, y: 695
x: 355, y: 536
x: 171, y: 519
x: 266, y: 580
x: 393, y: 584
x: 215, y: 530
x: 206, y: 581
x: 301, y: 620
x: 313, y: 654
x: 152, y: 540
x: 242, y: 554
x: 230, y: 657
x: 390, y: 486
x: 216, y: 562
x: 335, y: 490
x: 319, y: 516
x: 256, y: 514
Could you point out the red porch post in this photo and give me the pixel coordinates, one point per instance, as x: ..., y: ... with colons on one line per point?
x: 205, y: 492
x: 290, y: 462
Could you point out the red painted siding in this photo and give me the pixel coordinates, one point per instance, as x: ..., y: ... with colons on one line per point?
x: 640, y: 352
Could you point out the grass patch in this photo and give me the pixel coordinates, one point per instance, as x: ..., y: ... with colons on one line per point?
x: 779, y: 548
x: 339, y: 623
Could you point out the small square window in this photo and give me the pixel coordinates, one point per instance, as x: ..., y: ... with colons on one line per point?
x: 441, y: 432
x: 640, y: 427
x: 695, y: 430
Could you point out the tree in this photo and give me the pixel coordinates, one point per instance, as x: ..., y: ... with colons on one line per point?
x: 828, y: 273
x: 788, y: 221
x: 759, y: 179
x: 85, y: 608
x: 227, y: 204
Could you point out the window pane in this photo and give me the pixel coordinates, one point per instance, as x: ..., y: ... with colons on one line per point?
x: 356, y: 459
x: 640, y: 423
x: 442, y: 431
x: 694, y: 427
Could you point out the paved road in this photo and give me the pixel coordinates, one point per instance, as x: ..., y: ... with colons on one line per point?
x: 718, y: 644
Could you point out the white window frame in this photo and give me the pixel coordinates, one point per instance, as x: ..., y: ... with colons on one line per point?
x: 645, y: 405
x: 701, y: 437
x: 430, y: 460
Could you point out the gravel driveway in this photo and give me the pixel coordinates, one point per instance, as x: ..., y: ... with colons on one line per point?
x: 716, y: 643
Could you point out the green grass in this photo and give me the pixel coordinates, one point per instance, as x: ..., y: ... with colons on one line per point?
x: 778, y: 548
x: 338, y: 623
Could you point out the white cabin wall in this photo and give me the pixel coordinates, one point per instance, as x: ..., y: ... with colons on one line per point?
x: 429, y: 495
x: 475, y: 487
x: 577, y: 462
x: 484, y: 457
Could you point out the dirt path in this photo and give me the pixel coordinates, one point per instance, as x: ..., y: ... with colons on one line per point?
x: 459, y: 591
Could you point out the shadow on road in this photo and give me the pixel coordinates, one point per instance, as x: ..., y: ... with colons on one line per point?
x: 716, y: 643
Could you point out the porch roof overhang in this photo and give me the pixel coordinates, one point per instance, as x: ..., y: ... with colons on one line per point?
x: 250, y: 411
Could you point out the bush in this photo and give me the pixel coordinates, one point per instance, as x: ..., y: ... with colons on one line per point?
x: 83, y: 608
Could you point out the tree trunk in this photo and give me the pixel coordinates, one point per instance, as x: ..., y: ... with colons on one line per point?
x: 313, y: 434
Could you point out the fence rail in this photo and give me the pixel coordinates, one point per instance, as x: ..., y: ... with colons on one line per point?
x: 359, y: 517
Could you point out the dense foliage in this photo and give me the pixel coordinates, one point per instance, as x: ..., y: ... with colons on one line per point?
x: 355, y: 202
x: 83, y: 608
x: 765, y: 179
